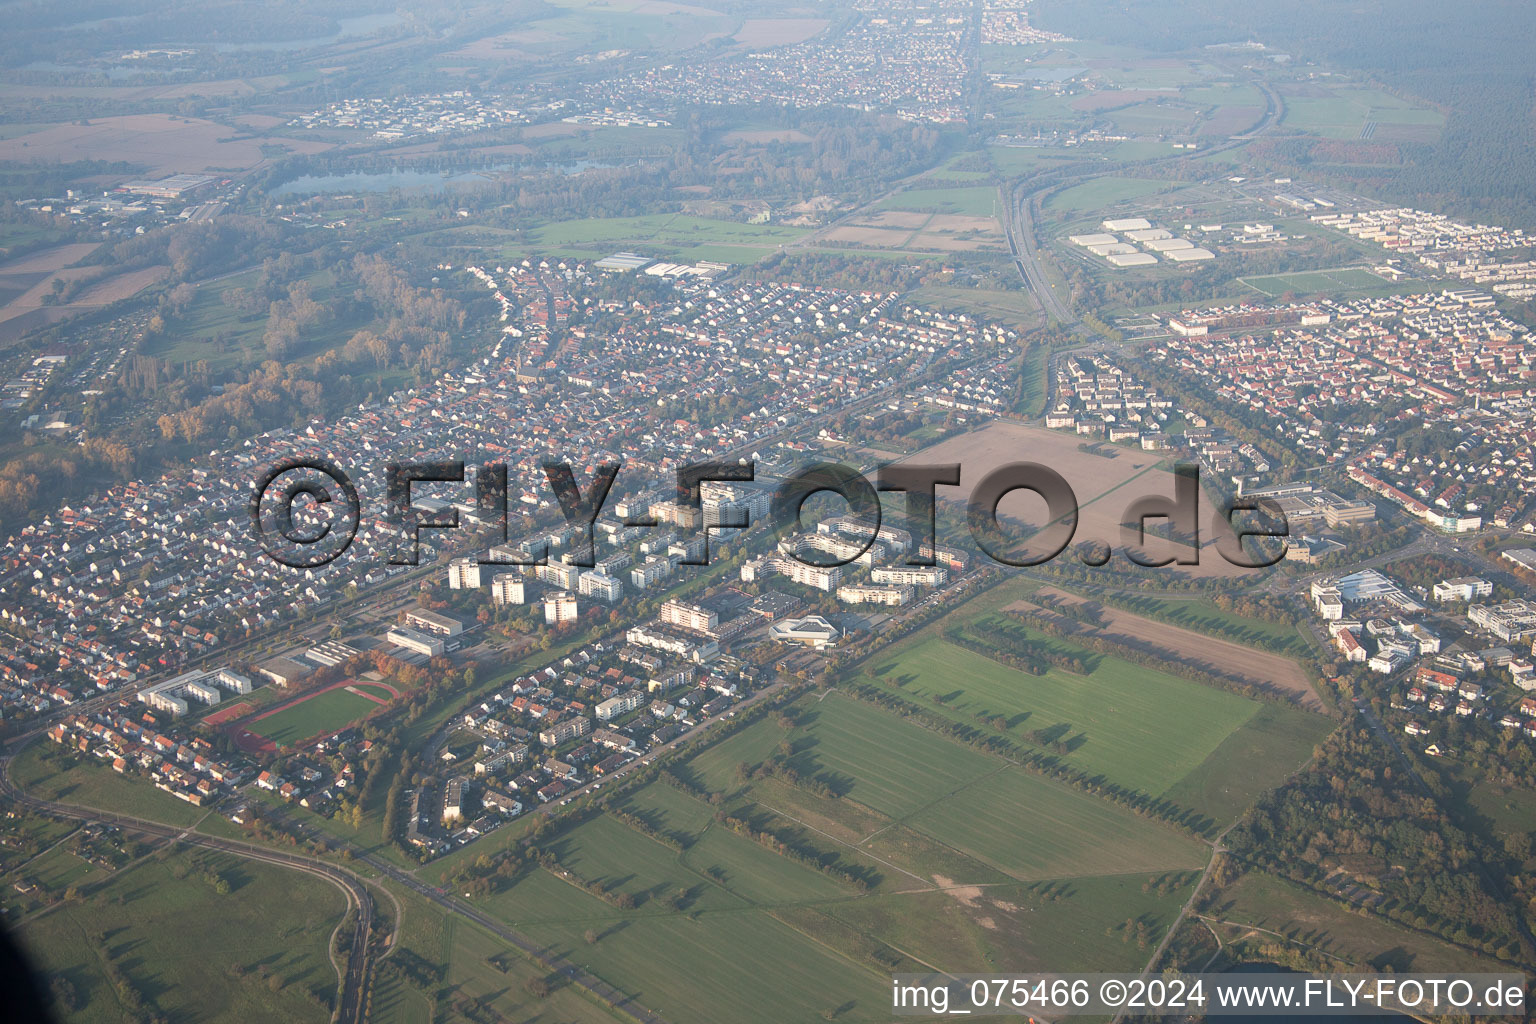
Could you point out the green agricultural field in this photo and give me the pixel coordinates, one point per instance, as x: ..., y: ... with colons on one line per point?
x: 611, y: 854
x: 1119, y: 719
x: 1036, y: 829
x: 879, y: 759
x: 93, y: 784
x: 756, y: 874
x: 975, y: 201
x: 1154, y: 117
x: 321, y: 713
x: 1100, y: 193
x: 1016, y: 161
x: 738, y: 965
x: 1258, y: 900
x: 668, y: 809
x: 670, y: 231
x: 61, y: 868
x: 1199, y: 614
x: 714, y: 768
x: 1251, y: 761
x: 476, y: 965
x: 259, y: 953
x: 1344, y: 113
x: 1059, y: 926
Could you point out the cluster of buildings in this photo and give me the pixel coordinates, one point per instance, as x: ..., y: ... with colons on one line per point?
x: 408, y: 117
x: 1469, y: 684
x: 1096, y: 398
x: 1143, y: 244
x: 908, y: 62
x: 1373, y: 622
x: 136, y: 581
x: 1342, y: 380
x: 1495, y: 258
x: 1383, y: 638
x: 574, y: 721
x: 189, y: 769
x: 846, y: 546
x: 33, y: 378
x: 1006, y: 23
x: 986, y: 387
x: 176, y: 694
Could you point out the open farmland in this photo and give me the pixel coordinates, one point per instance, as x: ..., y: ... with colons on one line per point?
x: 1202, y: 651
x: 1043, y: 926
x: 692, y: 966
x: 978, y: 201
x: 1251, y: 761
x: 1106, y: 485
x: 778, y: 31
x: 1099, y: 193
x: 1034, y: 828
x: 160, y: 144
x: 1116, y: 720
x: 718, y: 928
x: 883, y: 762
x: 191, y: 963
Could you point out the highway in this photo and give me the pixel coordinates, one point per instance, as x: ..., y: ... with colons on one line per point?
x: 1021, y: 201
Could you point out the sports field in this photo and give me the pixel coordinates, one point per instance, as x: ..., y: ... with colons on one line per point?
x: 325, y: 712
x: 1351, y: 280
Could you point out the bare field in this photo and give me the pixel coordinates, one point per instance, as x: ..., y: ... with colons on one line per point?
x: 158, y: 142
x: 876, y: 237
x: 949, y: 243
x: 1105, y: 487
x: 26, y: 281
x: 959, y: 222
x: 778, y: 31
x: 1202, y: 651
x: 121, y: 286
x: 47, y: 261
x: 894, y: 219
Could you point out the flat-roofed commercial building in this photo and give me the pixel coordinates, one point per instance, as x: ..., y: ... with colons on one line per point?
x: 433, y: 622
x: 415, y: 641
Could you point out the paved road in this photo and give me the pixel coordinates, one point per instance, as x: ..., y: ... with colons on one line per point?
x: 1022, y: 201
x: 352, y: 1001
